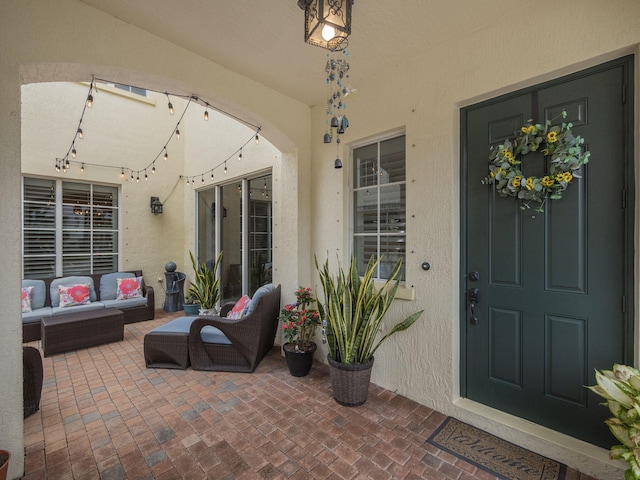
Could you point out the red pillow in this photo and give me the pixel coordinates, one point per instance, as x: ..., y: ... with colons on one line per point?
x: 238, y: 308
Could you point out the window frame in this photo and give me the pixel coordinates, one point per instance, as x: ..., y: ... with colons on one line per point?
x: 376, y: 140
x: 95, y: 231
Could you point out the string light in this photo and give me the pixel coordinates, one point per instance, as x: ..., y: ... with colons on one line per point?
x: 65, y: 163
x: 153, y: 168
x: 170, y: 105
x: 145, y: 175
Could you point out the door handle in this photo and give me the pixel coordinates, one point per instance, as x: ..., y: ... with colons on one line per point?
x: 473, y: 297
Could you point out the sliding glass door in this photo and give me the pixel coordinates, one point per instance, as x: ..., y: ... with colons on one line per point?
x: 237, y: 219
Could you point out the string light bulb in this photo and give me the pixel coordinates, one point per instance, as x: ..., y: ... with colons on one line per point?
x: 89, y: 101
x: 145, y: 175
x: 206, y: 115
x: 80, y: 133
x: 138, y: 178
x: 203, y: 178
x: 170, y: 105
x: 240, y: 156
x: 177, y: 133
x: 122, y: 173
x: 212, y: 175
x: 67, y: 164
x: 153, y: 168
x: 225, y: 166
x: 166, y: 155
x: 257, y: 139
x: 82, y: 168
x: 73, y: 152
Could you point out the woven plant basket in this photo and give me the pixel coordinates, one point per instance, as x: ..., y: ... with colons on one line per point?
x: 350, y: 382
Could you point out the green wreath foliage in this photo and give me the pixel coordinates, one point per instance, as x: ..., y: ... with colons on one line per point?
x: 563, y: 155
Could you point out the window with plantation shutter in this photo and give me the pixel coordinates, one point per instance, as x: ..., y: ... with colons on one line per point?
x: 69, y: 228
x: 379, y: 218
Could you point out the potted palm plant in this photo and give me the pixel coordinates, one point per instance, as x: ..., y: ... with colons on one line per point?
x: 299, y: 323
x: 205, y: 290
x: 352, y: 316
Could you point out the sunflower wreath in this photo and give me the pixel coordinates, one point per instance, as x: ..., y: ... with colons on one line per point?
x: 563, y: 157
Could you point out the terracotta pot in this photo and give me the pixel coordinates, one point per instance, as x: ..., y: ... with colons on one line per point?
x: 5, y: 456
x: 299, y: 362
x: 350, y: 382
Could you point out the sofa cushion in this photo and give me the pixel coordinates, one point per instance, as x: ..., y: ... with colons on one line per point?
x: 129, y: 303
x: 109, y: 284
x: 73, y: 295
x: 210, y: 334
x: 36, y: 314
x: 129, y: 288
x: 67, y: 281
x: 26, y: 299
x: 77, y: 308
x: 39, y: 293
x: 262, y: 291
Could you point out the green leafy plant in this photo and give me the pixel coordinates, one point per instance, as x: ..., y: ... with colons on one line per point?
x: 620, y: 388
x: 354, y: 309
x: 205, y: 290
x: 299, y: 321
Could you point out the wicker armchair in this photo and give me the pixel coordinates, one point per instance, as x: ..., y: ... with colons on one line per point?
x: 250, y: 337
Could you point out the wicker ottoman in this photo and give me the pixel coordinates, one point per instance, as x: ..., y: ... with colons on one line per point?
x: 167, y: 346
x: 75, y: 330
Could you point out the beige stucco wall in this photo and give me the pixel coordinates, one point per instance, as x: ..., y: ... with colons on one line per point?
x: 34, y: 50
x: 422, y: 97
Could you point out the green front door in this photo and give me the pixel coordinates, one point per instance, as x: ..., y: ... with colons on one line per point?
x: 554, y: 289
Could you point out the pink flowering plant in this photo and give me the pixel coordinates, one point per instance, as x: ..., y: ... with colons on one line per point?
x: 299, y: 320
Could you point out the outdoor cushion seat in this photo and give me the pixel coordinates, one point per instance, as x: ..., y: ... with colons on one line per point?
x: 77, y: 308
x: 127, y: 303
x: 249, y: 338
x: 36, y: 315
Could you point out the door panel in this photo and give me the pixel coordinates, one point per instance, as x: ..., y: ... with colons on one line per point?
x: 551, y: 285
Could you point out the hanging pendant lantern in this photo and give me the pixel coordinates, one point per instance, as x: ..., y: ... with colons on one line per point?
x: 327, y: 23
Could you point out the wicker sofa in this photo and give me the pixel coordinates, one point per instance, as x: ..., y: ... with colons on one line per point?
x: 103, y: 295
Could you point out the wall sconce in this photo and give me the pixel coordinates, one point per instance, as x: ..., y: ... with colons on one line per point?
x: 327, y: 23
x: 156, y: 206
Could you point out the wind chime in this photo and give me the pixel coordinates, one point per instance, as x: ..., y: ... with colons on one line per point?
x: 328, y: 25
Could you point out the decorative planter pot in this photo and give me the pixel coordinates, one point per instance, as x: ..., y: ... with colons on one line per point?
x: 350, y: 382
x: 208, y: 311
x: 299, y: 362
x: 191, y: 308
x: 5, y: 456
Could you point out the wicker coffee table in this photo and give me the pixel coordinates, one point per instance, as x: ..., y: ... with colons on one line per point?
x: 75, y: 330
x: 167, y: 346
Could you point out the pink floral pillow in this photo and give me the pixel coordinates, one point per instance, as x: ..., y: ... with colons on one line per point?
x: 74, y: 295
x: 26, y: 299
x: 238, y: 308
x: 129, y: 288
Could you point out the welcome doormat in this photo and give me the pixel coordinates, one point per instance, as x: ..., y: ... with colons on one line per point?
x: 494, y: 455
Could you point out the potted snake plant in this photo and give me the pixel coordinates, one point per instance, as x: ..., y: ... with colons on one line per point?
x: 205, y: 290
x: 352, y: 315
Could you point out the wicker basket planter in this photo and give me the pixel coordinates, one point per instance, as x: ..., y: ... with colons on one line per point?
x: 300, y: 362
x: 350, y: 383
x: 5, y: 456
